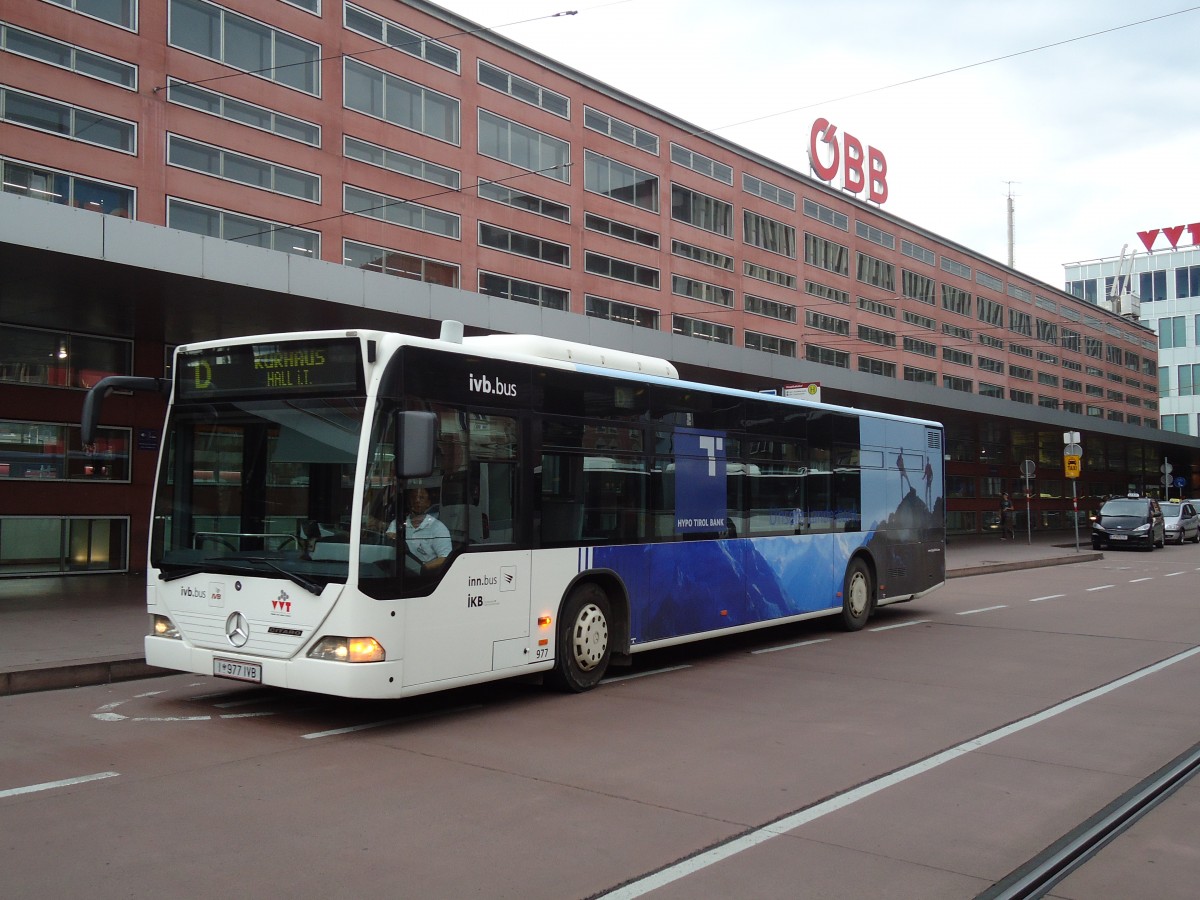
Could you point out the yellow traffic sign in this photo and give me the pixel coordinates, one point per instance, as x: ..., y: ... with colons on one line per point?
x: 1071, y: 465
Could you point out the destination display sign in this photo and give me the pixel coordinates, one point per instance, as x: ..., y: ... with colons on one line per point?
x: 305, y: 367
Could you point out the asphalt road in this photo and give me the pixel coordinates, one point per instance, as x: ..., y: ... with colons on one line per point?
x: 928, y: 756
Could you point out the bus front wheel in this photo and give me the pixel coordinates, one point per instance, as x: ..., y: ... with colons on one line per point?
x: 583, y: 640
x: 858, y: 596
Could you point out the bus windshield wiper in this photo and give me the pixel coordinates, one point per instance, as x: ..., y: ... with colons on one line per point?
x: 179, y: 573
x: 311, y: 586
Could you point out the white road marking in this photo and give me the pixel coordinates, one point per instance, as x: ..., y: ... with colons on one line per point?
x: 644, y: 674
x: 1173, y: 574
x: 792, y: 646
x: 901, y: 625
x: 1047, y: 597
x: 971, y: 612
x: 50, y: 785
x: 1139, y: 580
x: 1103, y: 587
x: 313, y: 735
x: 783, y: 826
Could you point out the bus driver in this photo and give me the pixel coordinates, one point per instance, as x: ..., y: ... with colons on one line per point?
x: 427, y: 541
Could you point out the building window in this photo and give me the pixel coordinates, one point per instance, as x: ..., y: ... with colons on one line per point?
x: 1020, y: 322
x: 72, y: 122
x: 1025, y: 374
x: 701, y: 290
x: 956, y: 268
x: 524, y: 291
x: 1020, y: 396
x: 395, y: 161
x: 698, y: 162
x: 816, y: 289
x: 33, y: 356
x: 991, y: 365
x: 1187, y: 282
x: 616, y: 311
x: 815, y: 210
x: 524, y: 90
x: 67, y: 56
x: 924, y: 348
x: 1152, y: 285
x: 827, y: 356
x: 244, y: 229
x: 45, y: 545
x: 115, y: 12
x: 620, y: 269
x: 991, y: 390
x: 620, y: 230
x: 920, y: 376
x: 876, y: 272
x: 400, y: 38
x: 702, y: 211
x: 54, y: 452
x: 70, y: 190
x: 768, y: 234
x: 1179, y: 424
x: 765, y: 273
x: 920, y: 321
x: 1020, y: 293
x: 876, y: 336
x: 1084, y: 290
x: 957, y: 331
x: 391, y: 98
x: 525, y: 147
x: 1172, y: 332
x: 824, y: 322
x: 955, y: 383
x: 876, y: 367
x: 956, y: 300
x: 919, y: 287
x: 619, y: 130
x: 773, y: 309
x: 250, y: 114
x: 402, y: 265
x: 828, y: 255
x: 619, y: 181
x: 769, y: 192
x: 404, y: 213
x: 242, y: 169
x: 768, y: 343
x: 705, y: 331
x: 702, y: 255
x: 245, y: 44
x: 527, y: 245
x: 958, y: 357
x: 500, y: 193
x: 917, y: 252
x: 877, y: 307
x: 874, y: 235
x: 989, y: 281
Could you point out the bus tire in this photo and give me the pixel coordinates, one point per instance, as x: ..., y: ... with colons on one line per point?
x: 858, y: 595
x: 584, y: 644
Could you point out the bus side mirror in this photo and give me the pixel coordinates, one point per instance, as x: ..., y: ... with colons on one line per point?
x: 414, y: 444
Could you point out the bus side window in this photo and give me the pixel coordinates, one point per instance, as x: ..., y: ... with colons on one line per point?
x: 560, y: 489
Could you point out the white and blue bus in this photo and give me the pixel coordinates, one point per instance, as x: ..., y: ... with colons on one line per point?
x: 570, y: 506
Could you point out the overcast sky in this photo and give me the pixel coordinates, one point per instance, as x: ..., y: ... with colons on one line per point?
x: 1100, y: 136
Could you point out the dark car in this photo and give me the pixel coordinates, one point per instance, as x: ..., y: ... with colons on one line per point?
x: 1129, y: 522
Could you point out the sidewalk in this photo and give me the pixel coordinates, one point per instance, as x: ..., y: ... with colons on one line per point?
x: 68, y: 631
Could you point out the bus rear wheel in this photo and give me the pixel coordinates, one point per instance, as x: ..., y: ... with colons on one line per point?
x: 583, y: 640
x: 858, y: 596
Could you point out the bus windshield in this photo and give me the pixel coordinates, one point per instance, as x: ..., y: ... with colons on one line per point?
x: 258, y: 486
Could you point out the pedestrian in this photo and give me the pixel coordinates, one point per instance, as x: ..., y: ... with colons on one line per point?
x: 1006, y: 518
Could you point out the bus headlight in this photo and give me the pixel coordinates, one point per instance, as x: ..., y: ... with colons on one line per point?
x: 348, y: 649
x: 161, y: 626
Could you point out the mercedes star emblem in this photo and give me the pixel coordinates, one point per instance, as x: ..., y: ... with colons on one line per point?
x: 237, y: 629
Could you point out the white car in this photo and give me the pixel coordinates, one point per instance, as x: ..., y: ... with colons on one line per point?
x: 1181, y: 521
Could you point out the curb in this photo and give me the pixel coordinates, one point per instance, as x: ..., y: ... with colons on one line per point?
x: 992, y: 568
x: 85, y: 674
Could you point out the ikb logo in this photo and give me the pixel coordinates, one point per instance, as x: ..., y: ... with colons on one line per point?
x: 485, y: 385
